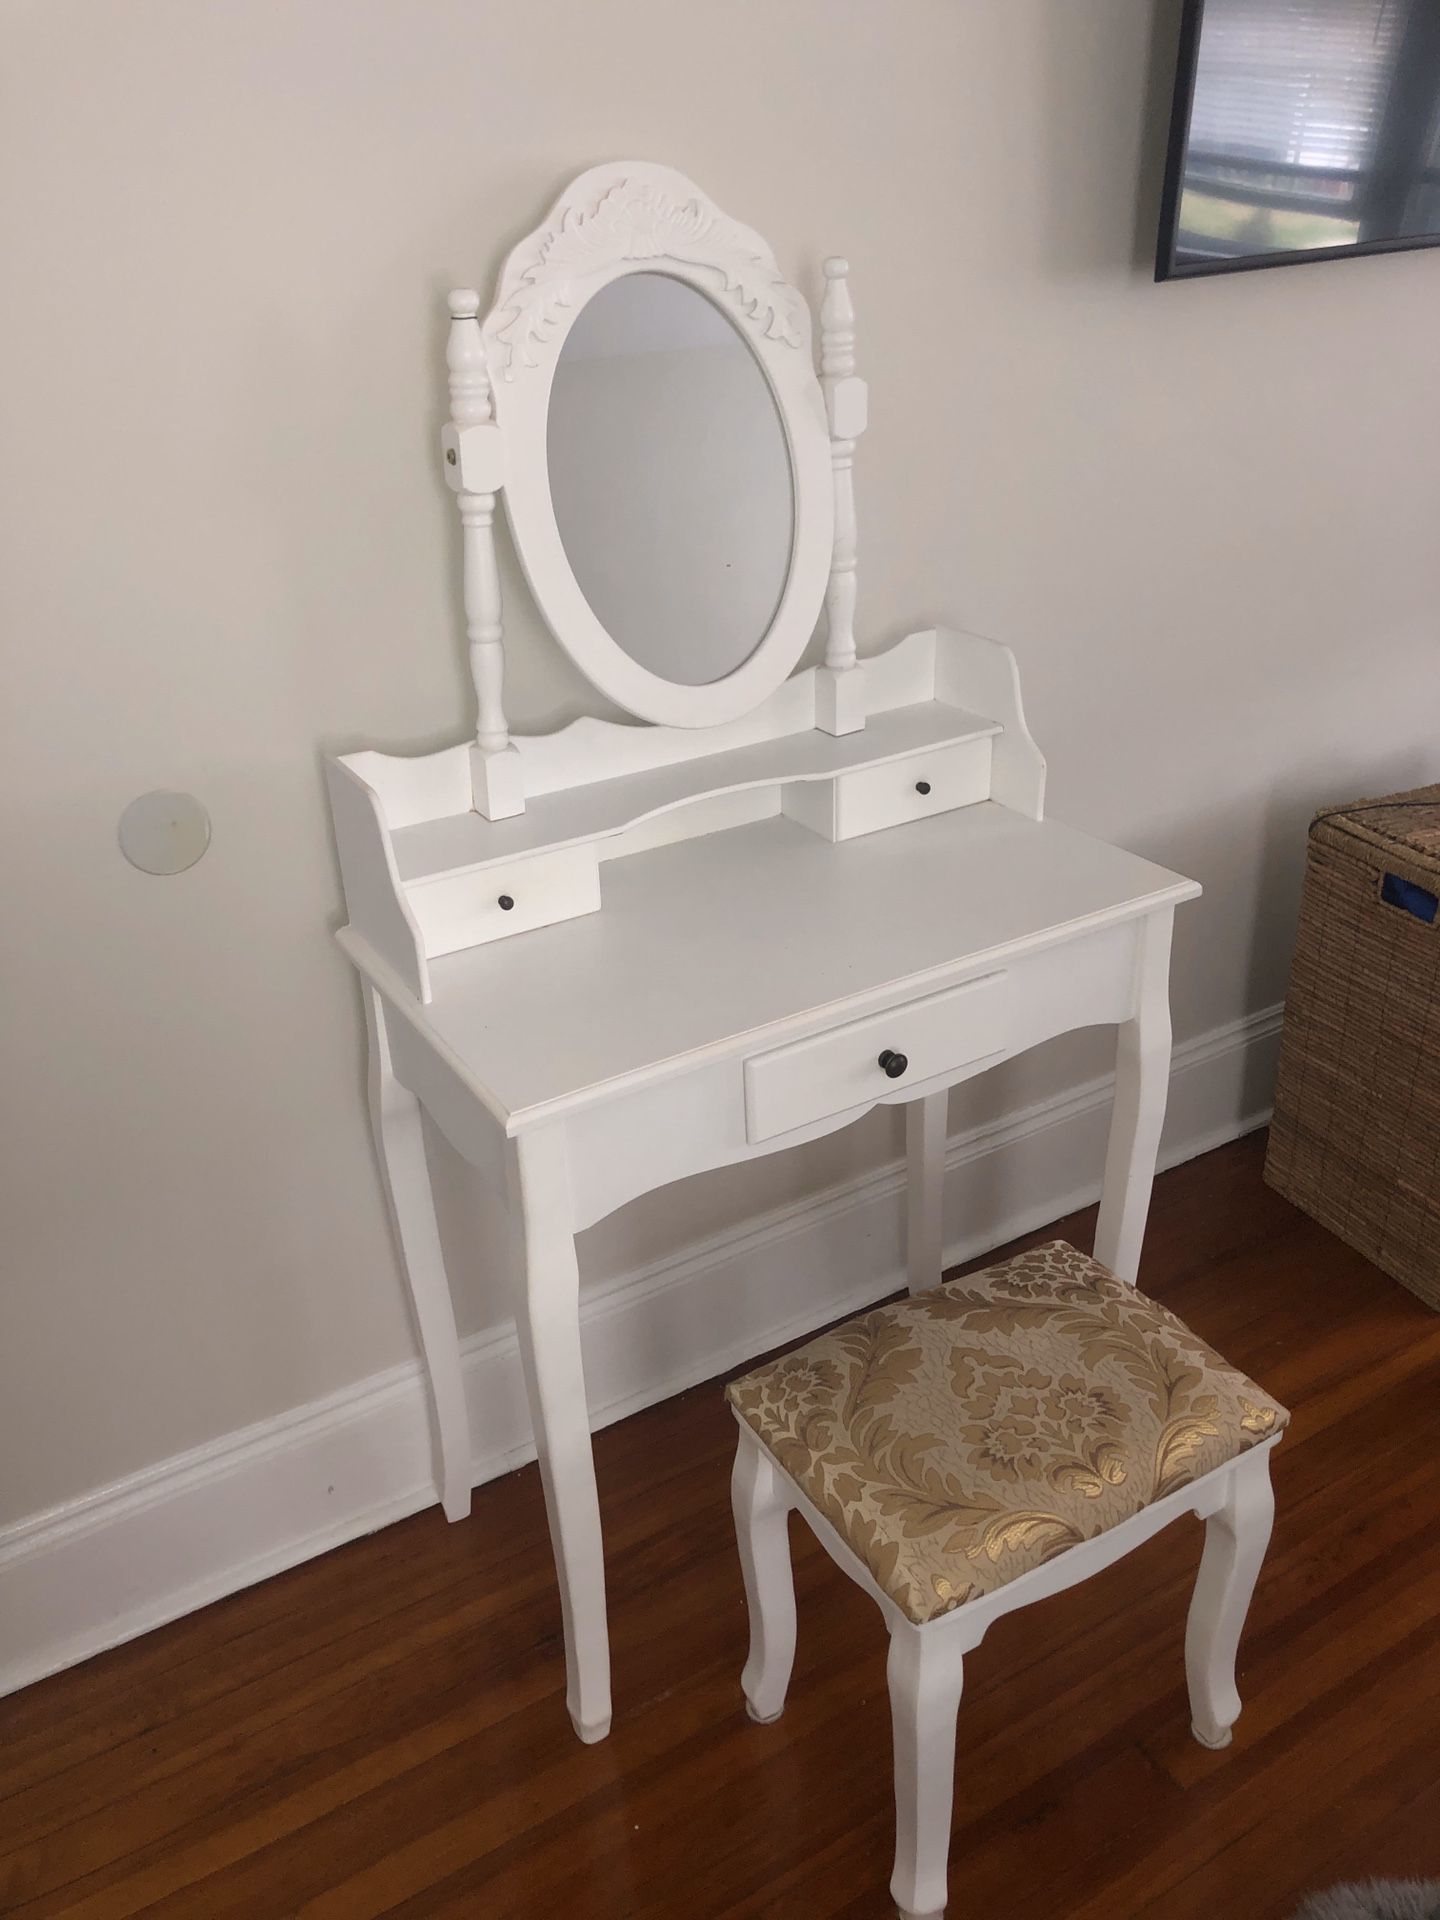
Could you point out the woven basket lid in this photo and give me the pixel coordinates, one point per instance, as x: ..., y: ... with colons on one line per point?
x: 1401, y: 824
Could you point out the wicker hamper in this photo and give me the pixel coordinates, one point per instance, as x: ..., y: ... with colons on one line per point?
x: 1356, y: 1136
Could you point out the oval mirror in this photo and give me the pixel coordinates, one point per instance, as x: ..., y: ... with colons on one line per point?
x: 670, y: 477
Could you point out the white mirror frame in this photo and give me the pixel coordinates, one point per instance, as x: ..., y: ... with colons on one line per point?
x: 633, y: 217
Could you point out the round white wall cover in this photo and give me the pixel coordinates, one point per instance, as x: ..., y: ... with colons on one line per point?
x: 164, y: 832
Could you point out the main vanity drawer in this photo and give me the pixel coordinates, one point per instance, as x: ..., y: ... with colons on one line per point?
x: 796, y: 1085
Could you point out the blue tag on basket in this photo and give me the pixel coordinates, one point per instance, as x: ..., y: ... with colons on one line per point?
x: 1404, y: 894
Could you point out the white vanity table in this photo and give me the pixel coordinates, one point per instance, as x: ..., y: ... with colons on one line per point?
x: 608, y: 957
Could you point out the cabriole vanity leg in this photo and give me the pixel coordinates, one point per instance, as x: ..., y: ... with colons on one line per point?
x: 926, y: 1128
x: 1142, y: 1086
x: 400, y: 1142
x: 547, y: 1319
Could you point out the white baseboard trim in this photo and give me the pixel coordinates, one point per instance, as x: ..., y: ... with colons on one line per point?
x: 128, y: 1557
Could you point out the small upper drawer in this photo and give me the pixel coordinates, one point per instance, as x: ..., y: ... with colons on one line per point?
x: 793, y: 1086
x: 456, y: 910
x: 869, y: 799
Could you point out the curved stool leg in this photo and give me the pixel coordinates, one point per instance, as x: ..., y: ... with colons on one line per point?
x: 762, y: 1517
x: 1235, y: 1541
x: 926, y: 1671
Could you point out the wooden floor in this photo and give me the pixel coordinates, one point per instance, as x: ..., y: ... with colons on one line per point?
x: 382, y: 1731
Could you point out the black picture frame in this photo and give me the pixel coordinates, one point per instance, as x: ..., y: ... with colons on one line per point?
x: 1167, y: 267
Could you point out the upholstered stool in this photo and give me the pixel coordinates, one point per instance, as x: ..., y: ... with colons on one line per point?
x: 964, y: 1452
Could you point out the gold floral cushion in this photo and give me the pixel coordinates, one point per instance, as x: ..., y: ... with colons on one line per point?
x: 961, y: 1438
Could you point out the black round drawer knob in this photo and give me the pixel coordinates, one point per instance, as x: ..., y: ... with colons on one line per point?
x: 506, y: 903
x: 893, y: 1063
x: 922, y: 786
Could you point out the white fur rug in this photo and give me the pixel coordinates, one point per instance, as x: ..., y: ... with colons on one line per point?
x: 1376, y: 1900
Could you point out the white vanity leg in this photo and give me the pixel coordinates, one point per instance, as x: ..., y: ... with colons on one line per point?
x: 762, y: 1530
x: 548, y: 1321
x: 400, y: 1141
x: 1142, y: 1085
x: 926, y: 1129
x: 1235, y: 1541
x: 926, y: 1671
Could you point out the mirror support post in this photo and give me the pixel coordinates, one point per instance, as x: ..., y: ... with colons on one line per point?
x: 474, y: 471
x: 840, y: 682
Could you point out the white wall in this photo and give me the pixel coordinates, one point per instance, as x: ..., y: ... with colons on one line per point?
x: 1203, y: 513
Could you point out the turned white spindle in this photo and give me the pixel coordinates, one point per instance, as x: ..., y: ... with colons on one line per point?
x: 474, y: 471
x: 837, y: 362
x: 471, y: 405
x: 841, y: 705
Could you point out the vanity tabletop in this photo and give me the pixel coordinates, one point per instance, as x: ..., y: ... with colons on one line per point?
x: 762, y: 933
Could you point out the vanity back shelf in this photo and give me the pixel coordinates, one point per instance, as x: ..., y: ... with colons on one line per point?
x: 467, y: 842
x: 427, y: 875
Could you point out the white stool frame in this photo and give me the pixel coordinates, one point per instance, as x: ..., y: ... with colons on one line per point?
x: 926, y: 1663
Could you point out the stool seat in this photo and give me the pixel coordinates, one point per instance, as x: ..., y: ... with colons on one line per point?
x: 961, y: 1438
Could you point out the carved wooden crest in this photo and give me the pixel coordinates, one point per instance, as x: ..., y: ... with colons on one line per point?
x: 604, y: 221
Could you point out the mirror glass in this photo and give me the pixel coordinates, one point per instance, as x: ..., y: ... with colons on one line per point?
x: 670, y: 477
